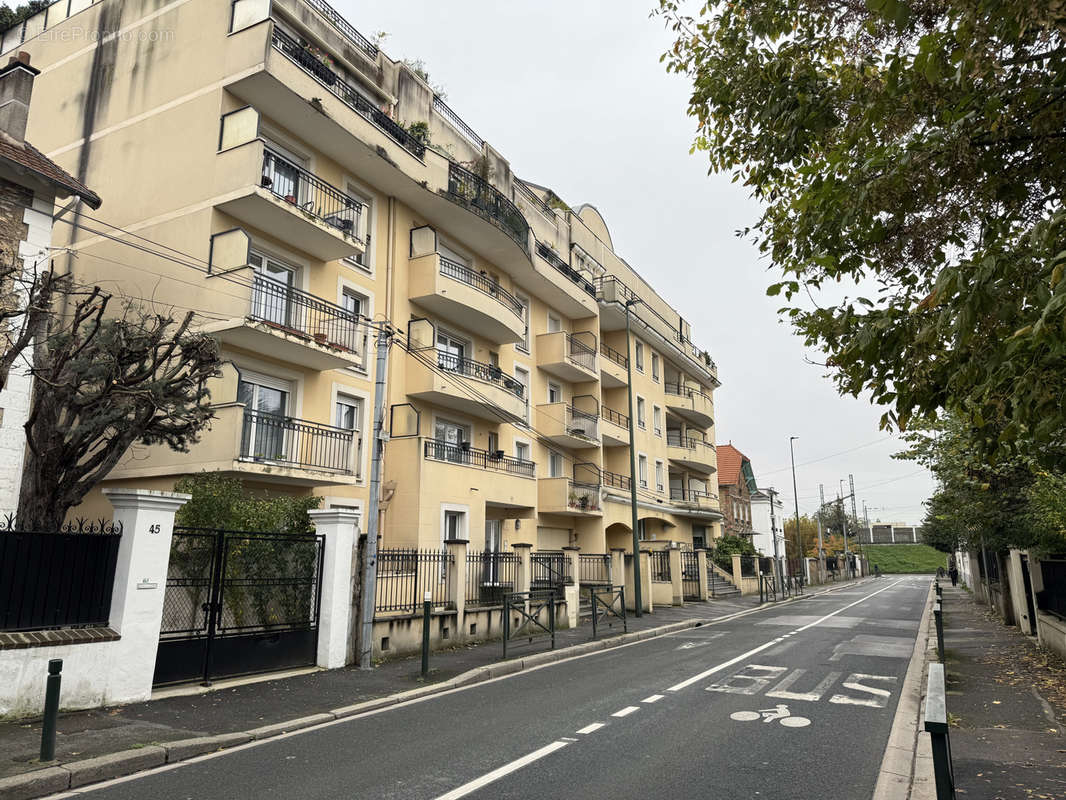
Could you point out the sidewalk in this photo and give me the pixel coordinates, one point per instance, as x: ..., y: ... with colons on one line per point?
x: 244, y: 708
x: 1006, y: 705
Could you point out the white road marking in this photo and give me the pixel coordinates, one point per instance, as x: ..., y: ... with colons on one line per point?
x: 595, y: 726
x: 567, y: 739
x: 690, y: 645
x: 655, y: 698
x: 625, y: 712
x: 880, y: 696
x: 744, y: 716
x: 795, y: 722
x: 813, y: 696
x: 506, y: 769
x: 725, y: 664
x: 750, y: 680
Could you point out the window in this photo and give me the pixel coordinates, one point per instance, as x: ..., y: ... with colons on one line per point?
x: 450, y: 437
x: 642, y: 463
x: 451, y: 352
x: 524, y: 344
x: 353, y: 334
x: 657, y: 420
x: 522, y: 376
x: 494, y: 359
x: 454, y: 525
x: 266, y: 401
x: 554, y: 323
x: 659, y: 487
x: 555, y: 465
x: 699, y: 535
x: 639, y: 350
x: 348, y: 414
x: 272, y: 293
x: 494, y: 442
x: 362, y: 260
x: 555, y: 394
x: 521, y: 451
x: 642, y: 413
x: 655, y: 367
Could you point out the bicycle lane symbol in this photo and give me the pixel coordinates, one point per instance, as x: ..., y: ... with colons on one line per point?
x: 779, y: 714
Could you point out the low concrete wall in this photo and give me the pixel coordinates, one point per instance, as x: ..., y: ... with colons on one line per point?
x: 1052, y: 632
x: 662, y: 594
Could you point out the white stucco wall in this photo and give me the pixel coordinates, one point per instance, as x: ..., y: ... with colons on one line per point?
x: 15, y: 398
x: 760, y: 523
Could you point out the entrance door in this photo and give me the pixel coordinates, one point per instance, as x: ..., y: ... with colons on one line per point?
x: 493, y: 544
x: 266, y: 402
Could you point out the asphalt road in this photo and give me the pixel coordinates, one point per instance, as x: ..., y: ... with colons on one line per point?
x: 794, y: 701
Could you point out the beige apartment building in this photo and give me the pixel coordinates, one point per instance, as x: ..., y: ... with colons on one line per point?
x: 271, y: 169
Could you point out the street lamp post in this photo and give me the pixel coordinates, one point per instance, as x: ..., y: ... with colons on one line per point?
x: 633, y: 466
x: 795, y: 494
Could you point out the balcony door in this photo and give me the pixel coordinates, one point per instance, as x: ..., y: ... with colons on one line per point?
x: 450, y: 437
x: 490, y: 567
x: 451, y: 352
x: 267, y: 403
x: 272, y: 295
x: 281, y: 173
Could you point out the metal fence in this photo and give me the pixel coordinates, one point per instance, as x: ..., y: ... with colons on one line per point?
x: 615, y: 481
x: 614, y: 355
x: 481, y: 282
x: 580, y: 352
x: 616, y: 417
x: 490, y: 373
x: 405, y: 575
x: 690, y: 575
x: 295, y: 311
x: 747, y: 566
x: 284, y: 440
x: 480, y: 196
x: 1052, y: 598
x: 57, y: 579
x: 312, y: 195
x: 660, y: 566
x: 594, y: 568
x: 438, y: 450
x: 489, y: 576
x: 582, y: 423
x: 576, y: 277
x: 550, y: 571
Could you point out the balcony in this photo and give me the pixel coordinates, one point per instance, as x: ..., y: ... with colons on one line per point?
x: 691, y: 452
x: 467, y: 386
x: 571, y: 357
x: 568, y: 426
x: 468, y: 298
x: 614, y: 428
x: 694, y: 499
x: 283, y: 199
x: 615, y: 483
x: 614, y: 367
x: 265, y: 447
x: 296, y: 327
x: 690, y: 404
x: 478, y: 195
x: 511, y: 482
x: 567, y: 496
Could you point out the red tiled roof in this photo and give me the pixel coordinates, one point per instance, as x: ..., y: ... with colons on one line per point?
x: 27, y: 157
x: 729, y: 462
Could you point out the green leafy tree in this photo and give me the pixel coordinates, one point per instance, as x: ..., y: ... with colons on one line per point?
x: 913, y: 148
x: 725, y: 547
x: 10, y: 17
x: 221, y: 502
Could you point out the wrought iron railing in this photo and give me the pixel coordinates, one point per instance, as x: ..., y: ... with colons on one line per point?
x: 690, y: 575
x: 437, y: 450
x: 313, y: 65
x: 747, y: 566
x: 532, y: 198
x: 614, y: 355
x: 489, y: 373
x: 616, y: 417
x: 682, y: 390
x: 576, y: 277
x: 296, y: 442
x: 660, y: 565
x: 550, y: 570
x: 691, y: 495
x: 57, y: 579
x: 594, y: 568
x: 477, y: 194
x: 405, y: 576
x: 581, y: 353
x: 675, y: 438
x: 483, y: 283
x: 310, y: 194
x: 582, y: 424
x: 345, y: 27
x: 490, y: 575
x: 583, y: 496
x: 297, y: 312
x: 615, y: 480
x: 456, y: 122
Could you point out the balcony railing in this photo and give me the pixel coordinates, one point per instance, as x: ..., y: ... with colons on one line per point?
x: 456, y: 122
x: 531, y: 197
x: 615, y: 356
x: 580, y: 353
x: 437, y: 450
x: 617, y: 418
x: 341, y: 24
x: 483, y: 283
x: 489, y: 373
x: 677, y: 439
x: 691, y: 495
x: 681, y: 390
x: 313, y: 65
x: 552, y: 258
x: 310, y: 194
x: 477, y: 194
x: 295, y: 442
x: 583, y: 496
x: 583, y: 424
x: 615, y: 481
x: 297, y: 312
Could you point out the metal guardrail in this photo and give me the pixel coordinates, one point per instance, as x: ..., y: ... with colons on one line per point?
x: 553, y: 258
x: 312, y: 195
x: 594, y: 568
x: 616, y: 417
x: 615, y: 480
x: 456, y: 122
x: 345, y: 27
x: 527, y: 607
x: 531, y: 197
x: 550, y: 570
x: 581, y: 353
x: 936, y: 725
x: 483, y: 283
x: 404, y: 576
x: 438, y: 450
x: 489, y: 576
x: 607, y: 602
x: 272, y: 438
x: 489, y: 373
x: 660, y: 566
x: 614, y: 355
x: 477, y: 194
x: 295, y: 311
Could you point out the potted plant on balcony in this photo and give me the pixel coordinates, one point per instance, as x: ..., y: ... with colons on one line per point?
x: 464, y: 446
x: 571, y: 500
x: 497, y: 455
x: 583, y: 502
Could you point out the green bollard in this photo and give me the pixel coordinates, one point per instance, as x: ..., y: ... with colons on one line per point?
x: 426, y: 606
x: 51, y: 709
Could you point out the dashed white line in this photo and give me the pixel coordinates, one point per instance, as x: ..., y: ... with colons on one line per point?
x: 625, y: 712
x: 506, y: 769
x: 655, y: 698
x: 595, y: 726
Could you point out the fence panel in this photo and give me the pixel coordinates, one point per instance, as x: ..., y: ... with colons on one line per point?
x: 406, y: 574
x: 550, y: 571
x: 489, y: 576
x: 690, y: 575
x: 57, y: 579
x: 747, y: 566
x: 594, y: 568
x: 660, y: 566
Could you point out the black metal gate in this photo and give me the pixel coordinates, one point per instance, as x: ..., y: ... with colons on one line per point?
x: 238, y: 603
x: 690, y: 575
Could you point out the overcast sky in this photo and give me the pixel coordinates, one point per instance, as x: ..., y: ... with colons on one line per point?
x: 573, y: 95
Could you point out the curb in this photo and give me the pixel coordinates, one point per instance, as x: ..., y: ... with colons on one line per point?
x: 906, y: 771
x: 76, y: 774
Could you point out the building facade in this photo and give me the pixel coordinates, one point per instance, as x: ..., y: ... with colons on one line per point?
x: 311, y: 198
x: 768, y: 522
x: 736, y: 483
x: 30, y: 185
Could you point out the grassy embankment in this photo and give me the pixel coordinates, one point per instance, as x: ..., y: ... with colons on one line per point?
x: 896, y: 558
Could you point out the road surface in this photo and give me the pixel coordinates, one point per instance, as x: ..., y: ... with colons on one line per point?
x: 792, y: 701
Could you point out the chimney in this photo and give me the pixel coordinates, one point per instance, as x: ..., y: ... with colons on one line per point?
x: 16, y: 87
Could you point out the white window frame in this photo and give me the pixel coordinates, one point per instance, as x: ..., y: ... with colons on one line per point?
x: 642, y: 413
x: 522, y: 443
x: 657, y: 420
x: 659, y: 471
x: 555, y: 459
x: 638, y: 355
x: 361, y: 452
x: 557, y: 389
x: 527, y: 310
x: 554, y: 323
x: 655, y: 367
x: 642, y: 470
x: 455, y: 508
x: 363, y: 193
x: 528, y: 384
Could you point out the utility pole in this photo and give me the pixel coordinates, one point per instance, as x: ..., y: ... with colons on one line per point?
x: 773, y: 532
x: 821, y: 545
x: 795, y: 495
x: 377, y: 444
x: 637, y: 604
x: 844, y: 523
